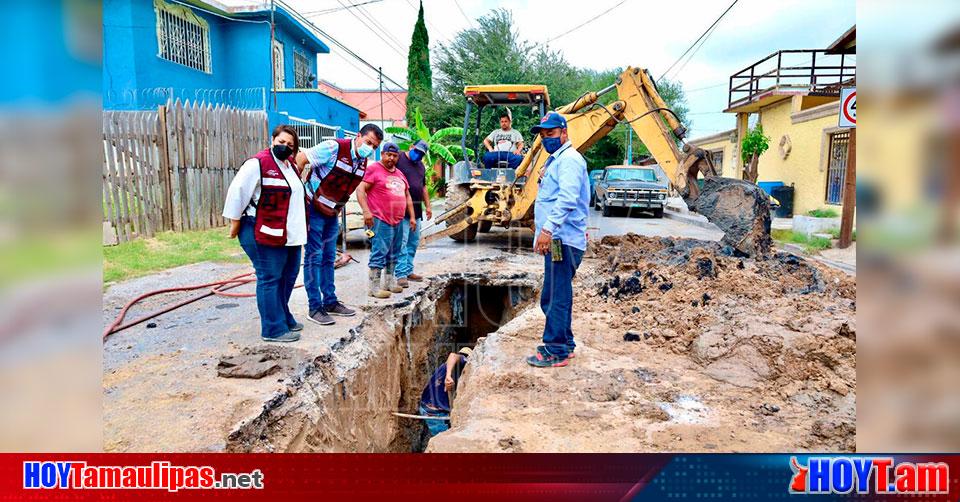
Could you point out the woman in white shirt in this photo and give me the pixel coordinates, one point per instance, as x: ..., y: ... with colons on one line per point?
x: 266, y: 206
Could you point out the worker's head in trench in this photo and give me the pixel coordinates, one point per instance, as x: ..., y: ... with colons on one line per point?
x: 552, y: 130
x: 368, y: 140
x: 389, y: 155
x: 506, y: 120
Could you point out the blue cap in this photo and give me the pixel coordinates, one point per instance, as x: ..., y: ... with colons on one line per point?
x: 552, y: 120
x: 389, y: 147
x: 421, y: 145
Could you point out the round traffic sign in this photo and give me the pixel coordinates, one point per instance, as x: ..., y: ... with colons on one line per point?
x: 850, y: 107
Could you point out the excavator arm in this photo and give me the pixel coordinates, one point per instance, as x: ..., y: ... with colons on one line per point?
x: 733, y: 205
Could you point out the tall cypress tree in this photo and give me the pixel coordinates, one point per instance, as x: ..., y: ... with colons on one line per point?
x: 419, y: 75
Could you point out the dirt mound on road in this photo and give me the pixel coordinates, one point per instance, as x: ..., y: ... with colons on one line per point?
x: 683, y: 345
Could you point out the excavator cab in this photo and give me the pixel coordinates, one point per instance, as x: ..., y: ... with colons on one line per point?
x: 479, y: 97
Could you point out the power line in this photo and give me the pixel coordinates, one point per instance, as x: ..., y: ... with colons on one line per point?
x: 431, y: 25
x: 721, y: 84
x: 373, y: 30
x: 588, y: 21
x: 314, y: 13
x: 385, y: 30
x: 694, y: 53
x: 698, y: 38
x: 469, y: 22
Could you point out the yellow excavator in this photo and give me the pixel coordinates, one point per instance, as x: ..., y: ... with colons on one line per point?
x: 479, y: 198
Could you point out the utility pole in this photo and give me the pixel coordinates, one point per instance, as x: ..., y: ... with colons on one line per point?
x: 849, y: 193
x: 273, y: 62
x: 380, y: 71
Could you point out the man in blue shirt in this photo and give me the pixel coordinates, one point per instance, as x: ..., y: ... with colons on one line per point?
x: 322, y: 230
x: 435, y: 402
x: 560, y: 215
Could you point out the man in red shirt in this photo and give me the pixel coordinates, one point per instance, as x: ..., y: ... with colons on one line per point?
x: 384, y: 196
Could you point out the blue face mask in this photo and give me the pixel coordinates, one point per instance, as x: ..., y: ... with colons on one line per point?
x: 416, y: 155
x: 551, y: 144
x: 364, y: 150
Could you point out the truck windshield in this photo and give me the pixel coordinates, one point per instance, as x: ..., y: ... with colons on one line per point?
x: 631, y: 175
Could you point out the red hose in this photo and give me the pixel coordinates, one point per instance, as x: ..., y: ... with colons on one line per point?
x: 218, y: 288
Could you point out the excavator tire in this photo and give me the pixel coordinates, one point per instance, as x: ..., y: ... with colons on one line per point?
x: 739, y: 208
x: 458, y: 194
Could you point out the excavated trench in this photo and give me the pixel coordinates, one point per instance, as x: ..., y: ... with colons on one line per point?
x: 344, y: 399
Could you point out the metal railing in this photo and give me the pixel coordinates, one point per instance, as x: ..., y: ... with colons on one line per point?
x: 812, y: 70
x: 311, y: 132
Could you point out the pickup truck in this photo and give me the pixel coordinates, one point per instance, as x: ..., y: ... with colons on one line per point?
x: 632, y: 187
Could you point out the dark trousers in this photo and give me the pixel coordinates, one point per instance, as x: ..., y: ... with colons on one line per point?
x: 318, y: 264
x: 556, y: 300
x: 277, y: 268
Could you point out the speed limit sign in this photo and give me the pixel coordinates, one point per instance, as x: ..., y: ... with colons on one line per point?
x: 848, y: 107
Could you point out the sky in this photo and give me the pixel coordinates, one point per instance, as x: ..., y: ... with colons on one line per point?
x: 634, y: 33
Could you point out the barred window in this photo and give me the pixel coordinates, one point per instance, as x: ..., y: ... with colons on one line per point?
x: 301, y: 70
x: 182, y: 36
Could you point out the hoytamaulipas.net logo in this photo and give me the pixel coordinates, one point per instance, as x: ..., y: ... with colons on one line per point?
x: 878, y: 475
x: 158, y: 475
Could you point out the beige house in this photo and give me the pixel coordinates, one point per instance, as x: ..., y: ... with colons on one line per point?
x: 795, y: 95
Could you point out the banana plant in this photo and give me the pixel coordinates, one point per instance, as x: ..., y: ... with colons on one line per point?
x: 437, y: 152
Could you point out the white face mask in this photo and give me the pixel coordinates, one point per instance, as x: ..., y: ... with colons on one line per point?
x: 364, y: 150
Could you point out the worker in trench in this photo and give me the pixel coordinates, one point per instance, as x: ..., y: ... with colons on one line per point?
x: 435, y: 400
x: 267, y: 211
x: 560, y: 216
x: 384, y: 196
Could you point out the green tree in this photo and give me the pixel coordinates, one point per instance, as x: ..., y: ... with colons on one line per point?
x: 492, y: 52
x: 419, y: 73
x: 753, y: 145
x: 437, y: 152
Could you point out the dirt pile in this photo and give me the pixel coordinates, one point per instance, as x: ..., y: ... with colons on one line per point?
x: 782, y: 325
x: 683, y: 345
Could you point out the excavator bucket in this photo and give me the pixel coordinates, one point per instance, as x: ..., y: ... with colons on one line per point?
x: 739, y: 208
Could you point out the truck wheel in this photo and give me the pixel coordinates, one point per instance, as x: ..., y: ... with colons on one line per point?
x: 658, y: 213
x: 596, y: 205
x: 484, y: 226
x: 458, y: 194
x: 469, y: 234
x: 606, y: 209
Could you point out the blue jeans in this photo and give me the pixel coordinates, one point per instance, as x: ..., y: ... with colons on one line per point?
x: 277, y: 268
x: 408, y: 247
x: 318, y: 263
x: 434, y: 426
x: 556, y: 301
x: 385, y: 244
x: 490, y: 159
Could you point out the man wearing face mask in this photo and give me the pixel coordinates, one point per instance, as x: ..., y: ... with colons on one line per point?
x: 560, y: 215
x: 411, y: 165
x: 332, y: 170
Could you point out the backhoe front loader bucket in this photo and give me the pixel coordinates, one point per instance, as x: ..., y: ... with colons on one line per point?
x: 741, y: 209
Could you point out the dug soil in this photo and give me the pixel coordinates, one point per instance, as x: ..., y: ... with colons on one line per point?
x: 682, y: 346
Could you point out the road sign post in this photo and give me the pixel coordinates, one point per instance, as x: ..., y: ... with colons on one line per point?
x: 848, y: 119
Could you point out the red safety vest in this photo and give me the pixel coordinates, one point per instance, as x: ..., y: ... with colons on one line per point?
x: 338, y: 184
x: 274, y: 203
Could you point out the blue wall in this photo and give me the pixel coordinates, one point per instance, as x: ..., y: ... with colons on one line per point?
x: 240, y: 59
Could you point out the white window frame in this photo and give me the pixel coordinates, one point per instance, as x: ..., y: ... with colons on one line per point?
x: 279, y: 77
x: 183, y: 37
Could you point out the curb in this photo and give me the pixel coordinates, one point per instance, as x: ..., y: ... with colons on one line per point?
x: 799, y: 251
x: 695, y: 220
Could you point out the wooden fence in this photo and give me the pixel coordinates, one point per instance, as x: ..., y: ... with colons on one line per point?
x: 169, y: 169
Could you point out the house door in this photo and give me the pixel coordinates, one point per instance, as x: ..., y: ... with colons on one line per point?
x: 837, y: 168
x: 278, y: 77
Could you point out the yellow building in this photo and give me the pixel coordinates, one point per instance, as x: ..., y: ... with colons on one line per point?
x: 795, y: 95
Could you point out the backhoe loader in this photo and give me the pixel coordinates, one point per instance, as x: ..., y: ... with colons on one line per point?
x: 478, y: 198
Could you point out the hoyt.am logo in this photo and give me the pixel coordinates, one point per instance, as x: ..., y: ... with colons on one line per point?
x: 880, y: 475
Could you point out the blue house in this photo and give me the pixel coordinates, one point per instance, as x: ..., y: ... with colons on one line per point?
x: 208, y: 52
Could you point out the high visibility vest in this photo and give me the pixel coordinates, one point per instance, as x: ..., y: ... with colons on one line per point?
x: 338, y: 184
x: 274, y: 203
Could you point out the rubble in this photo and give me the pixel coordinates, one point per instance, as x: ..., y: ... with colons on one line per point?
x: 741, y: 353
